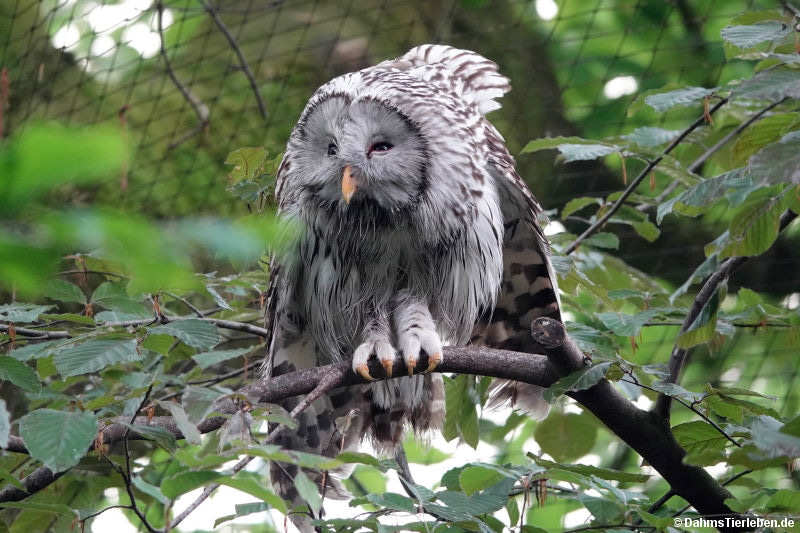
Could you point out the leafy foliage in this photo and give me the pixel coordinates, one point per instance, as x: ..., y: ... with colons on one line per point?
x: 106, y: 321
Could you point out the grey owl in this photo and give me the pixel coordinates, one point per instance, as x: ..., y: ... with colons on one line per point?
x: 416, y: 232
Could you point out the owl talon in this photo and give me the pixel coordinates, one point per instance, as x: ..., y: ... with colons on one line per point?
x: 363, y: 371
x: 387, y: 366
x: 433, y: 361
x: 411, y: 364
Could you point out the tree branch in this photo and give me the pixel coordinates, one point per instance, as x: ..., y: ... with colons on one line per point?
x: 645, y: 432
x: 678, y: 358
x: 36, y: 334
x: 638, y: 179
x: 212, y: 10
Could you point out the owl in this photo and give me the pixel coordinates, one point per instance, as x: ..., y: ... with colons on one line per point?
x: 414, y: 232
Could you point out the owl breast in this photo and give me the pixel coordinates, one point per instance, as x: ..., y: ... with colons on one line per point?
x: 352, y: 265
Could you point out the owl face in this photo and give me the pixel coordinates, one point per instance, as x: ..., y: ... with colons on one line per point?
x: 356, y: 152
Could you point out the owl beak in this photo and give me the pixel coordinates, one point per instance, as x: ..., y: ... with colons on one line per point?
x: 349, y: 184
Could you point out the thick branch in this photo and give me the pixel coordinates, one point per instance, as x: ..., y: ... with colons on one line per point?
x: 679, y: 355
x: 645, y: 432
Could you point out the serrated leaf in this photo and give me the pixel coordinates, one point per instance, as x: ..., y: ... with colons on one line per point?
x: 308, y: 491
x: 676, y: 391
x: 566, y: 437
x: 753, y: 34
x: 208, y: 359
x: 42, y: 507
x: 34, y: 350
x: 755, y: 226
x: 147, y: 488
x: 768, y: 438
x: 475, y: 478
x: 585, y: 152
x: 198, y: 402
x: 19, y: 312
x: 554, y: 142
x: 183, y: 482
x: 576, y: 204
x: 247, y: 163
x: 581, y: 379
x: 697, y: 436
x: 59, y: 439
x: 94, y: 355
x: 419, y: 454
x: 391, y: 500
x: 160, y: 436
x: 19, y: 374
x: 773, y: 84
x: 587, y: 470
x: 692, y: 201
x: 778, y: 162
x: 767, y: 130
x: 624, y: 324
x: 702, y: 329
x: 189, y: 430
x: 680, y: 97
x: 254, y: 485
x: 650, y: 137
x: 63, y: 291
x: 604, y: 240
x: 193, y: 332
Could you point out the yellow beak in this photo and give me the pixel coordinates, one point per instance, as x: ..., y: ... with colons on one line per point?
x: 349, y: 184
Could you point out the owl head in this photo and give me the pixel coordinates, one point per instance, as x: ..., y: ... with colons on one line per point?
x: 355, y: 151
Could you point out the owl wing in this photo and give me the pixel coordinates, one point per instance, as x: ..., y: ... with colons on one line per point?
x: 529, y: 288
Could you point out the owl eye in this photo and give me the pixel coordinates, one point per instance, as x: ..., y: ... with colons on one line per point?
x: 332, y: 149
x: 382, y: 146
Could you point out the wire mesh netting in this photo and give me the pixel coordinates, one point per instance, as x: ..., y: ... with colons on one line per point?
x: 191, y: 80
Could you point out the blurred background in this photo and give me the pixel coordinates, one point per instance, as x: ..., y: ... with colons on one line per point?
x: 189, y: 81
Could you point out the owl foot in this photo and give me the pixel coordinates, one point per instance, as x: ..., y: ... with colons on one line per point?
x: 382, y: 349
x: 416, y: 333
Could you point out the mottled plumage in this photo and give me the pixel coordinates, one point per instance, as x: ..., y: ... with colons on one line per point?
x: 416, y: 233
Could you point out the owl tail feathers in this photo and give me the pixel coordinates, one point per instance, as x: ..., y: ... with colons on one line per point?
x: 529, y: 398
x: 474, y: 77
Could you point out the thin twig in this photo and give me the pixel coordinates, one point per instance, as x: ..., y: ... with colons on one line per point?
x: 212, y: 10
x: 187, y: 303
x: 200, y: 109
x: 789, y: 7
x: 638, y: 179
x: 36, y: 334
x: 679, y: 355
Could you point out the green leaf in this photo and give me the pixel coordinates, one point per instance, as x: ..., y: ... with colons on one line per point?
x: 42, y: 157
x: 419, y: 454
x: 19, y: 374
x: 576, y: 204
x: 208, y: 359
x: 59, y: 439
x: 391, y: 500
x: 650, y: 137
x: 68, y: 317
x: 624, y: 324
x: 566, y: 436
x: 702, y: 329
x: 308, y: 491
x: 94, y: 355
x: 753, y: 34
x: 587, y: 470
x: 198, y: 402
x: 42, y: 507
x: 585, y: 152
x: 581, y: 379
x: 680, y: 97
x: 160, y: 436
x: 697, y: 436
x: 183, y: 482
x: 768, y: 438
x: 754, y: 228
x: 476, y: 478
x: 784, y: 499
x: 193, y: 332
x: 63, y: 291
x: 555, y: 142
x: 461, y: 417
x: 189, y: 430
x: 778, y: 162
x: 149, y: 489
x: 5, y: 424
x: 247, y: 163
x: 692, y: 201
x: 254, y: 485
x: 34, y: 350
x: 772, y: 85
x: 767, y: 130
x: 604, y: 240
x: 22, y: 312
x: 351, y: 457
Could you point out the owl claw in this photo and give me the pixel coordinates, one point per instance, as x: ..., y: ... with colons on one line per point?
x: 433, y: 361
x: 363, y: 371
x: 387, y: 366
x: 411, y: 364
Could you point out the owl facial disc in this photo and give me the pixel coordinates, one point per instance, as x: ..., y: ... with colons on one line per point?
x: 349, y: 184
